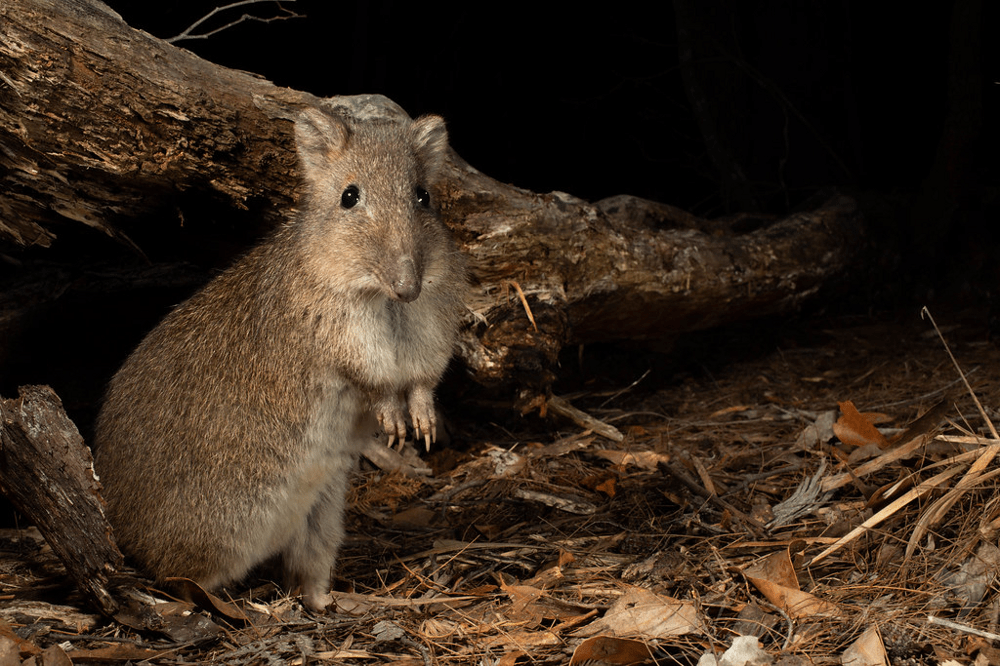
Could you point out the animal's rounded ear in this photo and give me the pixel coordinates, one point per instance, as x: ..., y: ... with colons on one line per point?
x: 430, y: 140
x: 321, y: 139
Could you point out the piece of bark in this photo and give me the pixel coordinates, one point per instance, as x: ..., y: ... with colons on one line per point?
x: 47, y: 472
x: 108, y: 126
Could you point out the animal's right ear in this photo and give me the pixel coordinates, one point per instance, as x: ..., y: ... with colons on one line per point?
x: 320, y: 140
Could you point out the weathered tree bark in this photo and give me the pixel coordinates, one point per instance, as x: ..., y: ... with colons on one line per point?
x: 103, y: 124
x: 47, y: 472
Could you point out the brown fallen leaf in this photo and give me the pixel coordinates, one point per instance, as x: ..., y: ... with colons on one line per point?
x: 213, y: 604
x: 511, y: 658
x: 774, y: 576
x: 53, y: 655
x: 16, y: 644
x: 930, y: 420
x: 643, y: 459
x: 531, y: 605
x: 413, y: 517
x: 868, y: 650
x: 523, y: 638
x: 641, y: 612
x: 610, y: 650
x: 856, y: 429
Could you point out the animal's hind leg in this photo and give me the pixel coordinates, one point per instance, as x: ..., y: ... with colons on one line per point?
x: 309, y: 558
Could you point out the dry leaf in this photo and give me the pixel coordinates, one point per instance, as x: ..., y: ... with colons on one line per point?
x: 437, y: 628
x: 775, y: 577
x: 970, y: 583
x: 511, y: 658
x: 930, y: 420
x: 868, y: 650
x: 607, y: 487
x: 516, y: 640
x: 53, y: 655
x: 332, y: 655
x: 532, y: 605
x: 213, y: 604
x: 856, y: 429
x: 818, y: 432
x: 640, y: 612
x: 643, y: 459
x: 117, y: 653
x: 610, y: 650
x: 20, y: 646
x: 414, y: 517
x: 9, y: 654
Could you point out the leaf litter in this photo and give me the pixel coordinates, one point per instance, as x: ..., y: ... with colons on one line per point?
x: 809, y: 505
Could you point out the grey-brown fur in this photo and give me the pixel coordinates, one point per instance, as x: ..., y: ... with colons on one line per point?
x: 228, y: 436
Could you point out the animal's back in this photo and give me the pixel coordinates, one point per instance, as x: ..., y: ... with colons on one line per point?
x: 197, y: 437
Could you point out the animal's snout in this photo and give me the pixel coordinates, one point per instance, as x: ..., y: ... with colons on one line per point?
x: 406, y: 281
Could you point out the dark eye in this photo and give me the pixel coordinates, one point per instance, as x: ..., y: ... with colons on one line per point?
x: 423, y: 197
x: 350, y: 197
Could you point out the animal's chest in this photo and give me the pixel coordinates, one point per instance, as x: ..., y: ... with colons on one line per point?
x: 393, y: 344
x: 333, y: 438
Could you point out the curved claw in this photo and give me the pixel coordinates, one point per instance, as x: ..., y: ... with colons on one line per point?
x: 389, y: 413
x: 423, y: 415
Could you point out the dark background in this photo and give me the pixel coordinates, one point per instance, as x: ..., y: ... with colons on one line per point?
x: 883, y: 99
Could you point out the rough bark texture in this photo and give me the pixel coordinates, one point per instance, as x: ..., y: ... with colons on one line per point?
x: 103, y: 124
x: 47, y: 472
x: 625, y: 268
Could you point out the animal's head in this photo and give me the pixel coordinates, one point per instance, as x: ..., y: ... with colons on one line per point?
x: 369, y: 212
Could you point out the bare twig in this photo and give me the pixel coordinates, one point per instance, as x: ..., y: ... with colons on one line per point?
x: 524, y: 301
x: 190, y: 34
x: 562, y: 407
x: 962, y: 627
x: 925, y: 312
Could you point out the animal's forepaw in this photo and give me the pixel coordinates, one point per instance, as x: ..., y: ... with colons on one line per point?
x: 390, y: 415
x: 423, y: 415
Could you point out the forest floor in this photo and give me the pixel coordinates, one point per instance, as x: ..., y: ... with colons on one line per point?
x: 750, y: 495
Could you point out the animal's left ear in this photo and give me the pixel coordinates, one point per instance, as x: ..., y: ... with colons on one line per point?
x: 430, y: 140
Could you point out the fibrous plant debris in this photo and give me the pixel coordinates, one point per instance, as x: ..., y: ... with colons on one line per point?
x: 832, y: 499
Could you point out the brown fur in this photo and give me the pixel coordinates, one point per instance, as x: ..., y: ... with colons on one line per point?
x: 228, y: 436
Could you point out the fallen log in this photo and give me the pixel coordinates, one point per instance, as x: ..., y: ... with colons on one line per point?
x: 47, y: 473
x: 109, y: 127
